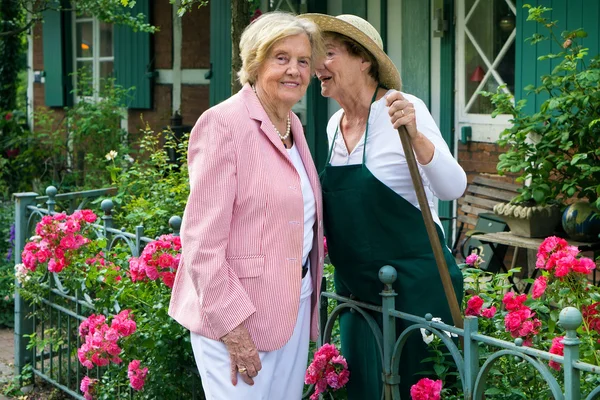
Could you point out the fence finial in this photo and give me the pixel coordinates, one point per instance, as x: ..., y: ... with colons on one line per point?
x: 51, y: 192
x: 388, y: 274
x: 175, y: 224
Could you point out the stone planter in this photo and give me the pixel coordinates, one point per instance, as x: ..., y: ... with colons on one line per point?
x: 532, y: 222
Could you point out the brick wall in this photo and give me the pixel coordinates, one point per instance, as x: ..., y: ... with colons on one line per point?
x: 163, y: 39
x: 196, y: 38
x: 158, y: 117
x: 194, y: 101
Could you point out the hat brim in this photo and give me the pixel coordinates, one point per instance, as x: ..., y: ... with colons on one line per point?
x: 389, y: 76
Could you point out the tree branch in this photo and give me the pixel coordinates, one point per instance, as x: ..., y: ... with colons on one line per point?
x: 31, y: 22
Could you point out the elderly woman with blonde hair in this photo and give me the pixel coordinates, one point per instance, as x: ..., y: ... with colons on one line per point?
x: 252, y: 237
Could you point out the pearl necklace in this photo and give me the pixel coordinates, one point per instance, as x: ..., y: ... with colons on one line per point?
x: 288, y: 128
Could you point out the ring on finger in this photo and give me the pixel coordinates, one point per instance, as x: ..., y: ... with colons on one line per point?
x: 242, y: 370
x: 402, y: 112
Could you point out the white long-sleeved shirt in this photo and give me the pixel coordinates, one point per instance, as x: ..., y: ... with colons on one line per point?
x: 442, y: 177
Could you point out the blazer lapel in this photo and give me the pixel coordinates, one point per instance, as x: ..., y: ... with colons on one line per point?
x: 257, y: 112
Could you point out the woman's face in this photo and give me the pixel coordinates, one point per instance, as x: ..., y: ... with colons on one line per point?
x: 338, y: 70
x: 284, y: 75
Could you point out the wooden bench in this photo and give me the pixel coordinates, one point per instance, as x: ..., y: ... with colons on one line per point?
x: 475, y: 211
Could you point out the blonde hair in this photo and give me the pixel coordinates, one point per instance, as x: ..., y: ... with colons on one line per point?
x: 258, y: 38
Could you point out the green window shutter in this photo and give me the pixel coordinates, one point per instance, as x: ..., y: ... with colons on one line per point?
x: 57, y: 61
x: 133, y: 60
x: 356, y: 7
x: 220, y: 51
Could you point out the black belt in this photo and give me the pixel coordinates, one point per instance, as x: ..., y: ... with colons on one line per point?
x: 304, y: 269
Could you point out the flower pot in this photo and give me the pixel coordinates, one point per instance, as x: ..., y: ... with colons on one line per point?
x: 581, y: 221
x: 526, y: 221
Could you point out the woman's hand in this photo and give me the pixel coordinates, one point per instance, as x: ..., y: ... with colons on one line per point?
x: 402, y: 112
x: 243, y: 355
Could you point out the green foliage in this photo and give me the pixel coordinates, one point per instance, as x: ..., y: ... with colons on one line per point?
x: 556, y: 150
x: 67, y: 152
x: 110, y: 11
x: 153, y: 188
x: 6, y: 264
x: 12, y: 53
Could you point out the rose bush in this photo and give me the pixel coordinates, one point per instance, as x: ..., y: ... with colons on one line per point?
x: 128, y: 343
x: 531, y: 317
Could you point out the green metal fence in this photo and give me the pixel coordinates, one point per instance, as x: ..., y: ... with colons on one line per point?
x: 57, y: 362
x: 473, y: 377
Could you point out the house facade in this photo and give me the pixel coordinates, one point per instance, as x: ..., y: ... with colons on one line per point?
x: 447, y: 51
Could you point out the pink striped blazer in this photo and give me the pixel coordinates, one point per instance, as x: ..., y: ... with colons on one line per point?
x: 242, y: 232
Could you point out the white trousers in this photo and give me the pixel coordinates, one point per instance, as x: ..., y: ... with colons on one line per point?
x: 282, y: 373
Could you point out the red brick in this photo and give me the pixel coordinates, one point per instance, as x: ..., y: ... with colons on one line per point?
x: 157, y: 118
x: 38, y: 49
x: 196, y: 38
x: 163, y: 39
x: 194, y: 101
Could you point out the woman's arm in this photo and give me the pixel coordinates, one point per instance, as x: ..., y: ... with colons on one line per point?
x: 207, y: 221
x: 446, y: 177
x: 205, y: 232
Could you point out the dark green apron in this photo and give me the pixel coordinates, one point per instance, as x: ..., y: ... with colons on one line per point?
x: 368, y: 225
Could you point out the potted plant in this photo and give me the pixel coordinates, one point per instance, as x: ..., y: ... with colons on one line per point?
x: 555, y: 152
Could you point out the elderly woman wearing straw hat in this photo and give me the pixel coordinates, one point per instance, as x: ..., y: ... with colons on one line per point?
x: 252, y: 237
x: 371, y: 212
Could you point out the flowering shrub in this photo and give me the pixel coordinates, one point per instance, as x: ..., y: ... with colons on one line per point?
x: 136, y: 348
x: 327, y: 370
x: 159, y: 259
x: 532, y: 317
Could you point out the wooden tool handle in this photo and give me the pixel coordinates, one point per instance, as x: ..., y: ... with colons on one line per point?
x: 430, y: 226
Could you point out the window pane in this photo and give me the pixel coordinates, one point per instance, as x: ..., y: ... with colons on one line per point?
x: 106, y: 40
x: 106, y: 69
x: 490, y: 24
x: 85, y: 74
x: 85, y: 39
x: 106, y: 72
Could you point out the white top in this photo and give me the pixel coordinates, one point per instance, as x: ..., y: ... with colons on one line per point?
x: 443, y: 177
x: 310, y: 207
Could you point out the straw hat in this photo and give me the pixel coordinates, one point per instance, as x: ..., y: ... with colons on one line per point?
x: 366, y: 35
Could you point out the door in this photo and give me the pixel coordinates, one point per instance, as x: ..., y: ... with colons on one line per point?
x: 485, y: 60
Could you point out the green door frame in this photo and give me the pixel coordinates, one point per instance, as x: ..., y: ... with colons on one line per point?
x: 447, y: 51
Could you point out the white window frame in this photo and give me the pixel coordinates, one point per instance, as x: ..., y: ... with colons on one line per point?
x: 484, y: 127
x: 95, y: 59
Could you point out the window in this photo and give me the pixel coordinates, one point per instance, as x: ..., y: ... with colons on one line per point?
x: 93, y: 52
x: 489, y: 52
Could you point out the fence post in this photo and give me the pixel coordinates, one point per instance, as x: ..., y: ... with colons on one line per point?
x: 23, y: 325
x: 471, y: 354
x: 388, y: 275
x: 570, y: 319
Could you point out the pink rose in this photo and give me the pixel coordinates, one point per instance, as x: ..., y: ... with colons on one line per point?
x: 474, y: 306
x: 426, y: 389
x: 557, y: 348
x: 539, y: 287
x: 489, y: 312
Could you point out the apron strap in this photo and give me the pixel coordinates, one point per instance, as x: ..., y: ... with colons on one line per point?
x: 366, y: 133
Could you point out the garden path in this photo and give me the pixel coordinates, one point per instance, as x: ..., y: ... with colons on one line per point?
x: 6, y: 356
